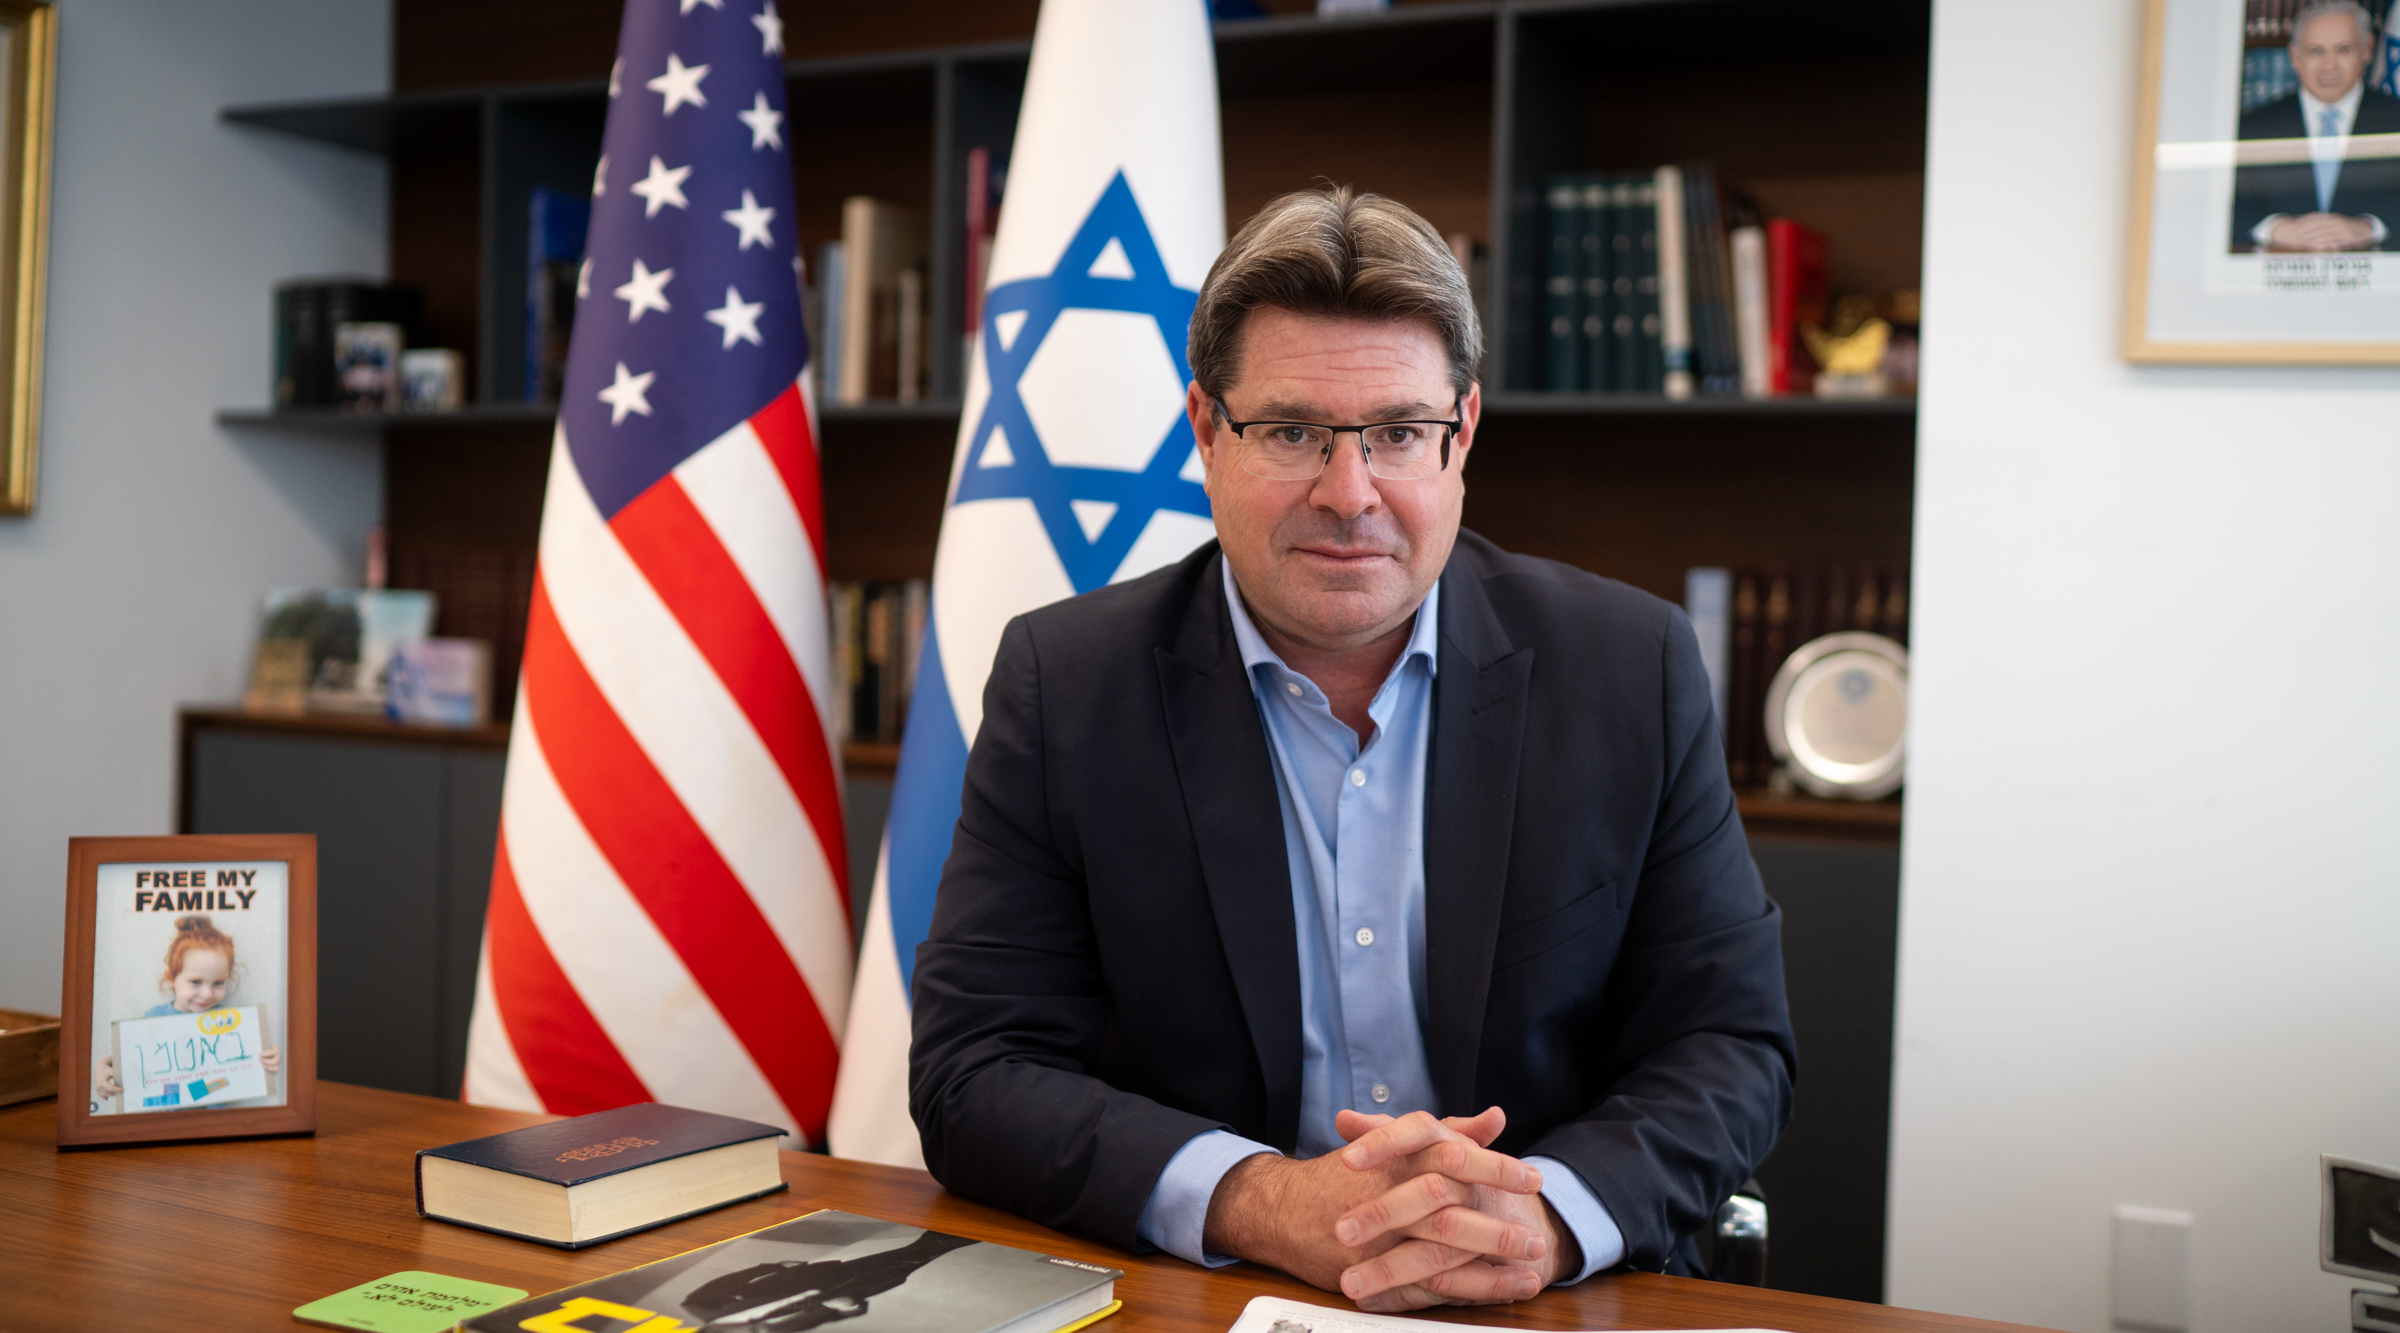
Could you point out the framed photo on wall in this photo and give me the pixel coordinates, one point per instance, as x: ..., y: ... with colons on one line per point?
x: 28, y: 75
x: 191, y: 982
x: 2266, y: 204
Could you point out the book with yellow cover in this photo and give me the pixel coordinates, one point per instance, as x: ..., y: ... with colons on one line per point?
x: 829, y: 1267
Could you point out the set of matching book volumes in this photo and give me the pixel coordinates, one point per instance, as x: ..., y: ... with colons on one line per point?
x: 877, y: 630
x: 1767, y: 612
x: 1664, y: 281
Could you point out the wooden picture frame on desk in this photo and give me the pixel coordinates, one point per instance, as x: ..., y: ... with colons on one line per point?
x: 204, y: 875
x: 28, y: 76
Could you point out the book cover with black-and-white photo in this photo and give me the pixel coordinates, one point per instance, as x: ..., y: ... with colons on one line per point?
x: 830, y: 1267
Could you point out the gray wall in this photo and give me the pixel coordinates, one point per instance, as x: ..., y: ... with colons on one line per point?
x: 134, y: 584
x: 2147, y: 905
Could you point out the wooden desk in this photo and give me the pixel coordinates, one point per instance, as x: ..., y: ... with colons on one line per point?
x: 234, y: 1235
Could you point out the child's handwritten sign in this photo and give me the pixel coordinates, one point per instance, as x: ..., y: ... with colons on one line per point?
x: 180, y: 1061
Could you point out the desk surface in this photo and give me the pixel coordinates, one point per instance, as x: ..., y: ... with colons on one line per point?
x: 234, y: 1235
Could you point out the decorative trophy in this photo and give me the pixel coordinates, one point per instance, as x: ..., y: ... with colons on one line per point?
x: 1852, y: 364
x: 1837, y: 716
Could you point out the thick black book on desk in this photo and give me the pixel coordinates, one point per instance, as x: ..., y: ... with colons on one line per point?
x: 868, y: 1275
x: 597, y: 1177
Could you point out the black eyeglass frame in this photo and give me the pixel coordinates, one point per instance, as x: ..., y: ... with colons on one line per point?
x: 1366, y: 452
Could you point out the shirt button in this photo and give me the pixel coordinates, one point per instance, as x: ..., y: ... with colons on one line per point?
x: 1292, y: 687
x: 1366, y: 936
x: 1381, y: 1092
x: 1358, y: 777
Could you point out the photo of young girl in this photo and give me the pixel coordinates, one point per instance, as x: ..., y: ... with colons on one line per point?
x: 188, y: 939
x: 200, y: 964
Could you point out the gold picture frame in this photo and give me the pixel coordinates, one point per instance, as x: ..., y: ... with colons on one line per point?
x: 2185, y: 301
x: 28, y: 89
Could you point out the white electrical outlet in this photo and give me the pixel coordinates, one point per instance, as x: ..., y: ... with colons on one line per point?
x: 2153, y: 1270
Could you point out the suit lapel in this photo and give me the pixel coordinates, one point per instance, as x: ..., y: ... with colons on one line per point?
x: 1479, y: 703
x: 1229, y: 793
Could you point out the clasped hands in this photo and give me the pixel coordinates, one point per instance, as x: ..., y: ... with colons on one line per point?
x: 2319, y: 233
x: 1414, y: 1212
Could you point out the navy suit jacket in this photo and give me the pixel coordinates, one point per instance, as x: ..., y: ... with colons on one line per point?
x: 2365, y: 185
x: 1112, y: 966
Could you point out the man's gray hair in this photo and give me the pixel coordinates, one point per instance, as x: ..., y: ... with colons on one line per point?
x: 1331, y: 252
x: 2357, y: 12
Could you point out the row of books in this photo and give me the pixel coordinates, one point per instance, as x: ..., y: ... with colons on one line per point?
x: 2268, y: 23
x: 1750, y: 619
x: 870, y: 317
x: 2267, y: 74
x: 1603, y: 303
x: 878, y: 629
x: 555, y: 227
x: 1667, y: 281
x: 867, y: 306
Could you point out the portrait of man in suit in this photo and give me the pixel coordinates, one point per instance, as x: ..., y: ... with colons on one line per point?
x: 2312, y: 174
x: 1353, y: 897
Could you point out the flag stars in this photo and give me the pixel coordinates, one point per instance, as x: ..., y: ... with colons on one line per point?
x: 600, y: 177
x: 765, y: 122
x: 645, y: 291
x: 770, y: 30
x: 680, y: 85
x: 752, y: 221
x: 690, y: 5
x: 663, y: 186
x: 737, y: 317
x: 630, y: 394
x: 616, y: 77
x: 583, y: 279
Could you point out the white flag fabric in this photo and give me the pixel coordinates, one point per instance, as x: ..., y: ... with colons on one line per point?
x: 1075, y: 467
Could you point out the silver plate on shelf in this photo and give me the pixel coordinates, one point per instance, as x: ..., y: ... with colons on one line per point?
x: 1837, y: 716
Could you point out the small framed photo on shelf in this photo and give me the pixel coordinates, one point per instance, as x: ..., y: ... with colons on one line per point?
x: 190, y: 1003
x: 2266, y: 200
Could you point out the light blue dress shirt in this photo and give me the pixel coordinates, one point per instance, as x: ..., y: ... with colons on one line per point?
x: 1353, y: 836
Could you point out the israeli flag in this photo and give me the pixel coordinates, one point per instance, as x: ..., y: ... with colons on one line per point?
x: 2383, y: 72
x: 1075, y: 468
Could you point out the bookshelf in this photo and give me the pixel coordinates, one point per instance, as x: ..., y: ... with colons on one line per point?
x: 1818, y: 110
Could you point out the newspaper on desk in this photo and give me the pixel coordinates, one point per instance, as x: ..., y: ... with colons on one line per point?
x: 1272, y: 1314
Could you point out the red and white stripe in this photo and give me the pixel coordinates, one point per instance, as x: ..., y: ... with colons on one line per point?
x: 670, y: 914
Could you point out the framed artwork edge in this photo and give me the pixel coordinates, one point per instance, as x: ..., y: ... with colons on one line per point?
x: 27, y: 189
x: 2138, y: 345
x: 77, y: 1126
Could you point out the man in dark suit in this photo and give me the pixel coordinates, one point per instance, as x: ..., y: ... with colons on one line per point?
x: 1353, y: 897
x: 2318, y: 189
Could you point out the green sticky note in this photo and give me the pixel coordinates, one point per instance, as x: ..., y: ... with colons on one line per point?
x: 407, y: 1303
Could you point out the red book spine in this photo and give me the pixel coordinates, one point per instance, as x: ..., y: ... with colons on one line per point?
x: 979, y: 195
x: 1795, y: 296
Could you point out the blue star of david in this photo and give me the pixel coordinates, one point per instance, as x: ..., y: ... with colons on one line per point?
x: 1030, y: 474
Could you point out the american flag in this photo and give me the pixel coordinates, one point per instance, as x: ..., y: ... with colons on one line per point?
x: 669, y: 912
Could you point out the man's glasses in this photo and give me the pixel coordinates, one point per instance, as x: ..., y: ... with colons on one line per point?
x: 1300, y: 450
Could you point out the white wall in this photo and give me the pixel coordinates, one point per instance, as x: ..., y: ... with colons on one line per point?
x: 2151, y: 884
x: 133, y: 586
